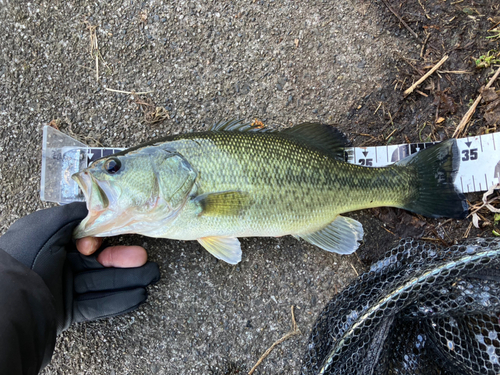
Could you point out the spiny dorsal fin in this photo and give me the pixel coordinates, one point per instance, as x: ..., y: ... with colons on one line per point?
x: 237, y: 125
x: 228, y: 203
x: 324, y: 137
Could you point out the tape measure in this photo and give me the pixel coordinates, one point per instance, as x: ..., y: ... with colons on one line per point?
x: 62, y: 156
x: 479, y: 159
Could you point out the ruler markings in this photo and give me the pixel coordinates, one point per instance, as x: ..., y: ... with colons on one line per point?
x: 474, y: 162
x: 477, y: 162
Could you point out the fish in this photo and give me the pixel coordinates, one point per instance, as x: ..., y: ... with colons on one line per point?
x: 237, y: 180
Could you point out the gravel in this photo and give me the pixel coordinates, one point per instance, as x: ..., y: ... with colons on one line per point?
x: 282, y: 62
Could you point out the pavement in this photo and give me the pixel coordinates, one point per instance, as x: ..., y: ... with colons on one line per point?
x: 281, y: 62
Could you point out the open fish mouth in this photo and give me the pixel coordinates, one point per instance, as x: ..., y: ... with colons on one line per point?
x: 100, y: 218
x: 96, y: 199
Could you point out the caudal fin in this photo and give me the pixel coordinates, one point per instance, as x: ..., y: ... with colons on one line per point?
x: 435, y: 194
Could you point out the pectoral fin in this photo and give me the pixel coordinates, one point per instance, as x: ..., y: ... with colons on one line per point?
x: 340, y: 236
x: 227, y: 249
x: 227, y: 203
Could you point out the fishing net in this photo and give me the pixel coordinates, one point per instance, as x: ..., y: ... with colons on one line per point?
x: 422, y: 309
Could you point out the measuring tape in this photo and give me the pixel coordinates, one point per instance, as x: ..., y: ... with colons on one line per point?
x: 479, y: 159
x: 62, y: 156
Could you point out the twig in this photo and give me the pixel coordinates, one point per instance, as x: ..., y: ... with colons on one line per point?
x: 129, y: 92
x: 486, y: 203
x: 455, y: 72
x: 390, y: 135
x: 467, y: 232
x: 387, y: 230
x: 431, y: 239
x: 390, y: 117
x: 354, y: 268
x: 401, y: 20
x: 472, y: 109
x: 94, y: 49
x: 366, y: 135
x: 424, y: 44
x: 444, y: 223
x: 425, y: 76
x: 425, y: 11
x: 493, y: 27
x: 293, y: 332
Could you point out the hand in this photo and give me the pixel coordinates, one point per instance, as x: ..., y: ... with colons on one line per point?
x: 83, y: 288
x: 114, y: 256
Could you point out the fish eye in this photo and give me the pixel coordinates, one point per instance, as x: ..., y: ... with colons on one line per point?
x: 112, y: 165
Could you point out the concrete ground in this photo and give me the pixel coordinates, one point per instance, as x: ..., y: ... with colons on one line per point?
x: 282, y: 62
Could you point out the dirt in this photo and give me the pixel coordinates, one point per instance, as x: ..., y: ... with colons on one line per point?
x: 281, y: 62
x: 460, y: 31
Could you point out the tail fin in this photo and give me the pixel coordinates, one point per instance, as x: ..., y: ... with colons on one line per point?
x: 436, y: 168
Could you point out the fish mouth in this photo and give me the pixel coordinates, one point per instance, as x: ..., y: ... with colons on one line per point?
x: 100, y: 217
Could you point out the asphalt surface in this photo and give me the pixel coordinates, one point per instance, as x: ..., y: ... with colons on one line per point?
x: 282, y: 62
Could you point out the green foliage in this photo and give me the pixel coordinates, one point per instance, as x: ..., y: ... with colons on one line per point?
x: 485, y: 61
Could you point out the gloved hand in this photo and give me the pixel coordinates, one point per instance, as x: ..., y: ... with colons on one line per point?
x: 83, y: 289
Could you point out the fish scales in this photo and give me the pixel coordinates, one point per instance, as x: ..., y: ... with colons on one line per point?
x: 278, y: 173
x: 236, y: 181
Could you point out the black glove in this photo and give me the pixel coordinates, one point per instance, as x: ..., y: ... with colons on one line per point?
x: 82, y: 288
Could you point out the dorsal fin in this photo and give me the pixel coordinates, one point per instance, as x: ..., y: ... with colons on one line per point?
x: 328, y: 139
x: 237, y: 125
x: 324, y: 137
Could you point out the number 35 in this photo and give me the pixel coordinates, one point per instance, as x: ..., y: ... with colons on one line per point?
x: 469, y: 154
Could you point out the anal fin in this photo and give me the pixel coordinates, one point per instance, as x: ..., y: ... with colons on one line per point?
x: 227, y: 249
x: 340, y: 236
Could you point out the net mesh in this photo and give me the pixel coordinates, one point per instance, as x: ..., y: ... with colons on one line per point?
x: 422, y: 309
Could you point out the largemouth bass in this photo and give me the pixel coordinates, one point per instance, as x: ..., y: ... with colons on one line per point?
x: 239, y: 181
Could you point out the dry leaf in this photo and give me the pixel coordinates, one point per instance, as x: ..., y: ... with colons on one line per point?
x: 445, y: 102
x: 488, y: 94
x: 440, y: 120
x: 475, y: 220
x: 257, y: 124
x: 487, y: 202
x: 492, y: 118
x: 55, y: 123
x: 492, y: 109
x: 492, y: 105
